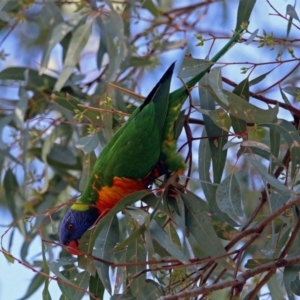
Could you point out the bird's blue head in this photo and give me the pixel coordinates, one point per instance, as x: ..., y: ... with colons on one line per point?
x: 74, y: 224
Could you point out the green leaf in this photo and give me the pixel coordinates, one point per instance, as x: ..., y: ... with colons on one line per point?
x: 243, y: 110
x: 79, y: 280
x: 151, y: 291
x: 219, y: 116
x: 132, y: 237
x: 285, y: 98
x: 163, y: 239
x: 200, y: 226
x: 275, y: 288
x: 218, y: 136
x: 253, y: 263
x: 8, y: 257
x: 57, y: 34
x: 96, y: 287
x: 274, y: 142
x: 136, y: 253
x: 295, y: 286
x: 105, y: 242
x: 88, y: 143
x: 62, y: 155
x: 244, y: 11
x: 292, y: 90
x: 290, y: 10
x: 192, y: 66
x: 259, y: 78
x: 113, y: 29
x: 261, y: 169
x: 228, y: 196
x: 278, y: 198
x: 79, y: 39
x: 54, y: 267
x: 256, y: 133
x: 11, y: 187
x: 31, y: 77
x: 150, y: 6
x: 204, y: 156
x: 241, y: 90
x: 291, y: 136
x: 72, y: 104
x: 290, y: 273
x: 215, y: 82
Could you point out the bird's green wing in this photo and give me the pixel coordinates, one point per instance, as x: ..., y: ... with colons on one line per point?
x: 134, y: 149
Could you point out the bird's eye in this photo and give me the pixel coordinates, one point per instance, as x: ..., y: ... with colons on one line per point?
x: 70, y: 227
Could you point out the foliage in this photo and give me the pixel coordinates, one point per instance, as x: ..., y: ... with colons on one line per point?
x: 234, y: 215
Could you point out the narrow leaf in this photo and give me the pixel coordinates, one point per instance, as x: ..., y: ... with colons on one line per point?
x: 105, y: 242
x: 290, y: 10
x: 88, y: 143
x: 290, y: 273
x: 163, y: 239
x: 229, y: 196
x: 192, y: 66
x: 241, y: 90
x: 80, y: 280
x: 291, y: 136
x: 96, y: 287
x: 215, y: 81
x: 151, y: 291
x: 243, y: 110
x: 78, y: 41
x: 219, y: 116
x: 218, y: 136
x: 57, y: 34
x: 200, y: 226
x: 266, y: 176
x: 136, y: 253
x: 244, y: 11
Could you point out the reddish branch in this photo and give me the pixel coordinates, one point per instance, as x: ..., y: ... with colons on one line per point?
x: 237, y: 282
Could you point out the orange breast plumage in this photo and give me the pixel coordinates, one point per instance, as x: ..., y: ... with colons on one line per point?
x: 109, y: 196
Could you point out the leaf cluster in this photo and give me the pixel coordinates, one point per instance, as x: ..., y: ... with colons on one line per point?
x: 234, y: 214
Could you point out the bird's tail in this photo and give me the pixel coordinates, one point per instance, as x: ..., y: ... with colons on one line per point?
x: 175, y: 162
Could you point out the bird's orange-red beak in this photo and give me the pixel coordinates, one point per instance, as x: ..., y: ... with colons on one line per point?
x: 73, y: 248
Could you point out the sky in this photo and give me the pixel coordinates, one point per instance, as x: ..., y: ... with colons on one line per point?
x: 19, y: 275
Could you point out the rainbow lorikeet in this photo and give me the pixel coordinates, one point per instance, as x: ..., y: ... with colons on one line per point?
x: 143, y: 149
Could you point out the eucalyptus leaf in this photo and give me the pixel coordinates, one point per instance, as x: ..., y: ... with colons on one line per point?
x: 104, y: 243
x: 244, y: 11
x: 80, y: 280
x: 192, y: 66
x: 88, y: 143
x: 266, y: 176
x: 290, y: 273
x: 291, y: 136
x: 243, y: 110
x: 199, y: 225
x: 229, y: 196
x: 163, y: 239
x: 79, y: 39
x: 136, y: 253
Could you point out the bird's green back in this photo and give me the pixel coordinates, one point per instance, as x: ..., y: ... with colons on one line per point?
x: 134, y: 149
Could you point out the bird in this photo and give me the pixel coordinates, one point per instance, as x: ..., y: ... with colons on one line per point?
x: 140, y: 151
x: 143, y: 149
